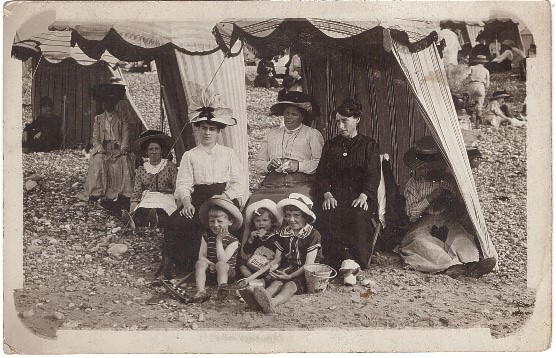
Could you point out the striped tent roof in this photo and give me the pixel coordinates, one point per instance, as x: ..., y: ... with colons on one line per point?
x: 55, y: 47
x: 139, y: 40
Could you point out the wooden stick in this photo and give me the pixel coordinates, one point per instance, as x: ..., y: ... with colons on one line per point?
x: 180, y: 282
x: 256, y: 274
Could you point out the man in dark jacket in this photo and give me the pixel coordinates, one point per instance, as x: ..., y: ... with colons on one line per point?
x: 44, y: 133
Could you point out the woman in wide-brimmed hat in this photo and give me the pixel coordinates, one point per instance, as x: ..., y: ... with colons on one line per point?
x: 110, y: 173
x: 493, y: 113
x: 208, y: 169
x: 439, y: 239
x: 346, y: 183
x: 289, y: 155
x: 152, y: 200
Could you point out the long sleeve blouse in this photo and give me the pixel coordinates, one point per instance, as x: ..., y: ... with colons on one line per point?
x: 202, y: 166
x: 349, y: 164
x: 303, y: 144
x: 164, y: 181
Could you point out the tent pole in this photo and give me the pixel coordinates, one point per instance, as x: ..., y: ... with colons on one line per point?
x: 64, y: 122
x: 161, y: 108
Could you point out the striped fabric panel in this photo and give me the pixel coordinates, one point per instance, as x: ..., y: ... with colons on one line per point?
x: 425, y: 73
x: 229, y: 82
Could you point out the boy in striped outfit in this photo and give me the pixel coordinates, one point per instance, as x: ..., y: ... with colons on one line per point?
x: 219, y: 248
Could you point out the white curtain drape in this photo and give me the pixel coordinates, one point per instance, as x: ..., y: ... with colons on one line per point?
x: 229, y: 82
x: 473, y: 31
x: 426, y: 75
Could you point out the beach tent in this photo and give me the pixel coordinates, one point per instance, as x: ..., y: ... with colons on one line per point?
x: 393, y: 67
x: 65, y: 74
x: 188, y: 60
x: 468, y: 30
x: 500, y: 29
x: 526, y: 39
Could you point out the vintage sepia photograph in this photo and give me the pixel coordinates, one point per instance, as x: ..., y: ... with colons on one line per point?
x: 228, y: 177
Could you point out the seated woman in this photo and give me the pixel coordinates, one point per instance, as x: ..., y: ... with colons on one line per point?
x: 266, y: 74
x: 44, y: 133
x: 502, y: 62
x: 110, y: 173
x: 347, y: 180
x: 207, y: 170
x: 439, y: 239
x: 152, y: 200
x: 290, y: 154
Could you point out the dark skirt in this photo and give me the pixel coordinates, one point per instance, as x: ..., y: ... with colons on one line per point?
x: 140, y: 217
x: 182, y: 236
x: 346, y: 231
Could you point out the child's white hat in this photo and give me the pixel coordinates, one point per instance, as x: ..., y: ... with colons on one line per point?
x: 301, y: 202
x: 349, y: 270
x: 266, y: 204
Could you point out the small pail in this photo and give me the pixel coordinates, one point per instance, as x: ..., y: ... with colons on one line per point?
x: 317, y: 276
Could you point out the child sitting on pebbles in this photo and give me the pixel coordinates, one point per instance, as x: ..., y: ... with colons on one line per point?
x: 298, y: 244
x: 260, y: 234
x: 218, y: 251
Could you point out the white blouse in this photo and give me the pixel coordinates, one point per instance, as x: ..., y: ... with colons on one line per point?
x: 303, y: 144
x: 202, y: 166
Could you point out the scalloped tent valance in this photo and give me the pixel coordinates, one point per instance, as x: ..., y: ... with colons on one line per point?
x: 55, y: 47
x: 140, y: 40
x: 270, y: 37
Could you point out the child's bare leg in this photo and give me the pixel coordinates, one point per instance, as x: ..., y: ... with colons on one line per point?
x: 287, y: 291
x: 245, y: 272
x: 274, y: 288
x: 221, y: 272
x: 201, y: 275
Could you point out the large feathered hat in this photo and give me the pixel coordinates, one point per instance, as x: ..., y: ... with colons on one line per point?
x: 210, y: 108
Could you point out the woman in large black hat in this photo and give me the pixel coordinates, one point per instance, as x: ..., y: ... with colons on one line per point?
x: 289, y: 155
x: 207, y: 170
x: 111, y: 165
x: 440, y: 239
x: 152, y: 200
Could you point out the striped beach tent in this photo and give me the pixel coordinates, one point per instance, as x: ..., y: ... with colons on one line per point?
x: 65, y: 74
x: 393, y: 67
x: 188, y: 59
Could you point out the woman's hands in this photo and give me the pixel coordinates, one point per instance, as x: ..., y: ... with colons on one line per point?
x: 361, y: 201
x: 188, y: 209
x: 285, y: 165
x: 274, y: 164
x: 329, y: 201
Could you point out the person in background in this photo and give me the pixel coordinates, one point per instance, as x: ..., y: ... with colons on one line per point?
x: 502, y: 62
x: 45, y: 132
x: 479, y: 81
x: 439, y: 240
x: 450, y: 52
x: 494, y: 114
x: 266, y: 74
x: 481, y: 48
x: 293, y: 80
x: 110, y: 174
x: 152, y: 200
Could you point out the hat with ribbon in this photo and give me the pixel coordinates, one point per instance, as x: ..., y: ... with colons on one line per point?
x: 113, y: 91
x: 500, y: 94
x: 303, y: 101
x: 209, y: 108
x: 139, y: 146
x: 426, y: 154
x: 480, y: 59
x: 223, y: 203
x: 253, y: 208
x: 301, y: 202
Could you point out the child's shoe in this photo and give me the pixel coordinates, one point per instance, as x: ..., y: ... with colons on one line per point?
x: 264, y: 300
x: 249, y: 298
x: 200, y: 297
x: 222, y: 292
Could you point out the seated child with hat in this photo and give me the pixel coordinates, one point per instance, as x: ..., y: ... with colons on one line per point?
x: 261, y: 230
x: 218, y: 251
x: 298, y: 244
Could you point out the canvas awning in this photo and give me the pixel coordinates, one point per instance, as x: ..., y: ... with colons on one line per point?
x: 470, y: 29
x: 188, y: 61
x: 393, y: 68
